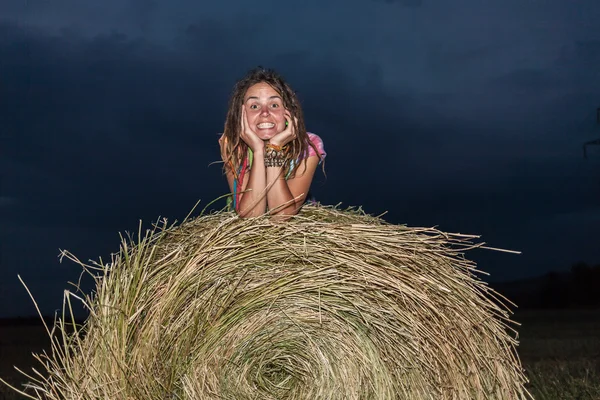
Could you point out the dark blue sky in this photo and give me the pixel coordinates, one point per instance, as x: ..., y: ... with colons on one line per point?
x: 467, y: 115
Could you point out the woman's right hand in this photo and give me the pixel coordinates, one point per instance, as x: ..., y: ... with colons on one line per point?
x: 249, y: 136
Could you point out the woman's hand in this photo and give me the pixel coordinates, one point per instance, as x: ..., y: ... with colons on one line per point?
x: 288, y: 134
x: 249, y: 136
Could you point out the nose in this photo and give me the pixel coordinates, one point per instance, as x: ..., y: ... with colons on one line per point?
x: 265, y: 111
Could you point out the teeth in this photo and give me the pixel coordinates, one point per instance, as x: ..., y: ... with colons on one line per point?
x: 265, y: 125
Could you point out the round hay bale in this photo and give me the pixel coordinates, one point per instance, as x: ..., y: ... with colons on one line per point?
x: 333, y: 304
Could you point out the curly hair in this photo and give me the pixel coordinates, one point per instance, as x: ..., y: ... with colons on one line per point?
x: 234, y: 149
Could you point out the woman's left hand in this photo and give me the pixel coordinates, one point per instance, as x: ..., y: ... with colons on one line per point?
x: 288, y: 134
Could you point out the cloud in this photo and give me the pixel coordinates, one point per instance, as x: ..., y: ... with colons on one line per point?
x: 31, y: 249
x: 7, y: 201
x: 104, y: 124
x: 437, y: 120
x: 529, y: 79
x: 143, y: 12
x: 406, y: 3
x: 570, y: 71
x: 136, y: 121
x: 586, y: 52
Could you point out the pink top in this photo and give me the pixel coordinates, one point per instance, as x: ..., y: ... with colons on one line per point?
x: 318, y: 142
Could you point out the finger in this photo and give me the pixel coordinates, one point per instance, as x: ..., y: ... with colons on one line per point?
x: 247, y: 132
x: 249, y: 129
x: 294, y: 125
x: 242, y: 119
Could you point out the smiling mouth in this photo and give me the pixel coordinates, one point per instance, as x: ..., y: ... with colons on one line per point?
x: 265, y: 125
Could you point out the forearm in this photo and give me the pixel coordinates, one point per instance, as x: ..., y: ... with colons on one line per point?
x: 253, y: 201
x: 279, y: 197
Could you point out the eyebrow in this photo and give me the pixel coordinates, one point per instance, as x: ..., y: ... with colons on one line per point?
x: 272, y: 97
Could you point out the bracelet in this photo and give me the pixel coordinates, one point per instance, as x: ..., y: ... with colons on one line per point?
x: 274, y: 147
x: 274, y: 155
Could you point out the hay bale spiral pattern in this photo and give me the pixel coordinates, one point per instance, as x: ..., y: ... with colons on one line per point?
x: 330, y: 305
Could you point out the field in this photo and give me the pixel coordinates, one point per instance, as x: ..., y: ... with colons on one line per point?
x: 560, y: 349
x: 17, y: 343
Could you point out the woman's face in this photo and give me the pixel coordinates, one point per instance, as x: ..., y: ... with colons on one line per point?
x: 264, y: 110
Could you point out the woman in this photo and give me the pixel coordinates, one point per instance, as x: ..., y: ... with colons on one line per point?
x: 269, y: 158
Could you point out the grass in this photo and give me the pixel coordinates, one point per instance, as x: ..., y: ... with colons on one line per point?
x: 560, y: 350
x: 17, y: 343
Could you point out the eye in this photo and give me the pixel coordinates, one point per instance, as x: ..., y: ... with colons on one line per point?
x: 253, y: 106
x: 275, y: 105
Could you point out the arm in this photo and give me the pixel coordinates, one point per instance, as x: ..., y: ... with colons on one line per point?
x: 286, y: 197
x: 253, y: 201
x: 292, y: 192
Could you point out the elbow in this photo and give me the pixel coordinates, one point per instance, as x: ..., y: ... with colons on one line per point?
x: 248, y: 214
x: 250, y: 208
x: 285, y: 213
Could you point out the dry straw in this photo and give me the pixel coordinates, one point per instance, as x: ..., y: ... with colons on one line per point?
x: 333, y: 304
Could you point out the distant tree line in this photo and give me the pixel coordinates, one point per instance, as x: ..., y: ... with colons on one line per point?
x: 580, y: 289
x: 577, y: 287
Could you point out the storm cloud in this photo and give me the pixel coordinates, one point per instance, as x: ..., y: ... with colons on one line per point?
x: 470, y: 117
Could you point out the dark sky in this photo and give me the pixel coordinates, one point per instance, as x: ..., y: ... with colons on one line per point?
x: 469, y: 115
